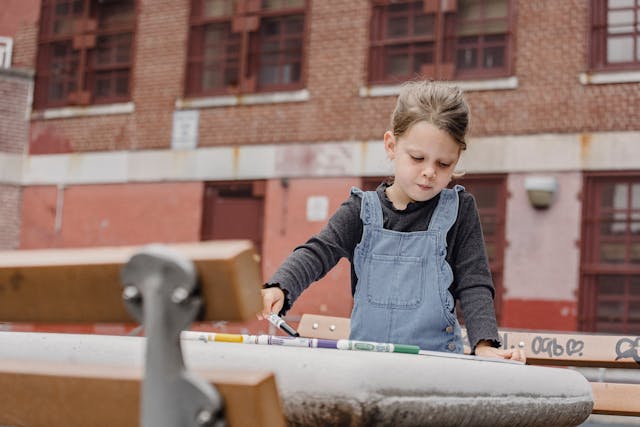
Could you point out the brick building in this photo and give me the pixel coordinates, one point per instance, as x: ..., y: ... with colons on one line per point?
x: 182, y: 120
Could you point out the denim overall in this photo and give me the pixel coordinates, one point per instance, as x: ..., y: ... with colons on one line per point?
x: 402, y: 295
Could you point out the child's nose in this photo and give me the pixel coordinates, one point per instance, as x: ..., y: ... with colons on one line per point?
x: 429, y: 172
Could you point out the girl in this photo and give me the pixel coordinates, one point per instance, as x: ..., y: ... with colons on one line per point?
x: 415, y: 246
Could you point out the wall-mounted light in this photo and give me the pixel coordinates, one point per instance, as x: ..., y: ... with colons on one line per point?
x: 541, y: 190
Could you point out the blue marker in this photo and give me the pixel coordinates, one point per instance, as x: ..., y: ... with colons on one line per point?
x: 279, y: 323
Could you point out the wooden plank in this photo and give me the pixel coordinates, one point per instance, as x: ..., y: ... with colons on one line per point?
x: 576, y: 349
x: 616, y: 399
x: 83, y: 285
x: 549, y: 348
x: 40, y: 394
x: 326, y: 327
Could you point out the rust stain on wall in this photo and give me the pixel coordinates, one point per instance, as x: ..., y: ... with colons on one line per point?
x: 47, y: 140
x: 585, y: 146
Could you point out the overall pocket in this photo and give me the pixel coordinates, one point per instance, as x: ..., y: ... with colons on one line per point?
x: 395, y: 281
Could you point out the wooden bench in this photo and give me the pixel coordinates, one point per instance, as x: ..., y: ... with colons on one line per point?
x: 163, y: 287
x: 548, y: 349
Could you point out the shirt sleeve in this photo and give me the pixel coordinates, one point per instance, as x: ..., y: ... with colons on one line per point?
x: 312, y: 260
x: 473, y: 285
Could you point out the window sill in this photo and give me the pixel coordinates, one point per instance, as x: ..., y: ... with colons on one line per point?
x: 249, y: 99
x: 609, y: 77
x: 466, y: 85
x: 92, y: 110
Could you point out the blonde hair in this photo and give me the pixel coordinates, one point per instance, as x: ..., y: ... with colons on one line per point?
x: 436, y: 103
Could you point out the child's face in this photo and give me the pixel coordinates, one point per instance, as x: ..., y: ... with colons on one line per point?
x: 425, y: 158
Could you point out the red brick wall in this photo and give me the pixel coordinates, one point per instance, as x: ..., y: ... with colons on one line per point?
x: 9, y: 216
x: 14, y: 127
x: 110, y: 215
x: 14, y: 96
x: 551, y: 50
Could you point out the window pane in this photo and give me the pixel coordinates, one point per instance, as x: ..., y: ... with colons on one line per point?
x: 112, y: 49
x: 620, y: 3
x: 398, y: 27
x: 116, y: 14
x: 423, y: 24
x: 218, y: 8
x: 611, y: 285
x: 612, y: 252
x: 612, y: 228
x: 494, y: 57
x: 635, y: 196
x: 610, y: 311
x: 634, y: 314
x: 620, y: 21
x: 497, y: 9
x: 634, y: 252
x: 486, y: 197
x: 614, y: 196
x: 467, y: 58
x: 64, y: 16
x: 634, y: 288
x: 281, y: 4
x: 294, y: 25
x: 620, y: 49
x: 212, y: 78
x: 398, y: 65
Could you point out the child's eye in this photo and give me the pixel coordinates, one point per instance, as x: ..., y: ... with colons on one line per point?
x: 417, y: 159
x: 444, y: 165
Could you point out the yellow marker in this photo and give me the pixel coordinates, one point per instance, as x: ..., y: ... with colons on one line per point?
x: 228, y: 338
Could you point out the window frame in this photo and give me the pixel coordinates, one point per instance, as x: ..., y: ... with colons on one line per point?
x: 247, y: 19
x: 592, y: 268
x: 82, y: 47
x: 445, y: 44
x: 598, y: 39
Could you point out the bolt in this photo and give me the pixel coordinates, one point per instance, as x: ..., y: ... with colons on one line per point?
x: 131, y: 293
x: 204, y: 418
x: 180, y: 295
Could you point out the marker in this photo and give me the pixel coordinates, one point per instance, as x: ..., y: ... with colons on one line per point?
x: 279, y: 323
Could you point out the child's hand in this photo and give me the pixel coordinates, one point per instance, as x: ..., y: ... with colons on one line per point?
x: 484, y: 349
x: 272, y: 301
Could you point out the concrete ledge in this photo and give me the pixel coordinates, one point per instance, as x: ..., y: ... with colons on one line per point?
x: 331, y: 387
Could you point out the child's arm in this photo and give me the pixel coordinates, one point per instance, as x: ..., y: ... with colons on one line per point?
x: 315, y: 258
x: 473, y: 284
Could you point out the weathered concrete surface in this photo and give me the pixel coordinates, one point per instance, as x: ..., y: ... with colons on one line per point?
x: 348, y: 388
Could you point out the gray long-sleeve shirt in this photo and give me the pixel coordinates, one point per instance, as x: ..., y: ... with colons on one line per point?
x: 472, y: 284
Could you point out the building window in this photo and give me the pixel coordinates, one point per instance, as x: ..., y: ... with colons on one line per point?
x: 234, y: 210
x: 615, y: 34
x: 610, y: 257
x: 490, y: 192
x: 244, y: 46
x: 439, y: 39
x: 84, y: 52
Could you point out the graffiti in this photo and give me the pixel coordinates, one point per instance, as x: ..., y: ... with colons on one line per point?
x: 628, y: 348
x: 555, y: 348
x: 551, y: 346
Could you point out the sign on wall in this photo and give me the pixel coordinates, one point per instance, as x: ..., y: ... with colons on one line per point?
x: 184, y: 135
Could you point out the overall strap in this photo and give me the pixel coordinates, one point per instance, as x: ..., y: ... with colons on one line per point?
x: 370, y: 210
x: 447, y: 210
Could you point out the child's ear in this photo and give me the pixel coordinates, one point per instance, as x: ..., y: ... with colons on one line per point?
x: 390, y: 144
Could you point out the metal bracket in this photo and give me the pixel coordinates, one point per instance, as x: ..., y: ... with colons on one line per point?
x: 159, y: 291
